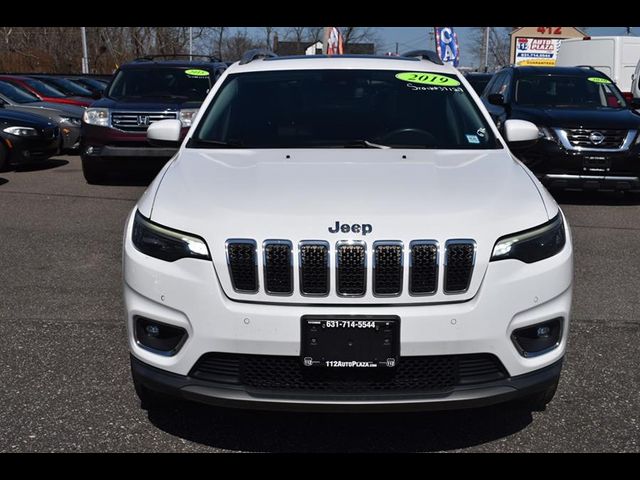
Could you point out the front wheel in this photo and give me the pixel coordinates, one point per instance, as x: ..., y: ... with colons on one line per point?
x: 94, y: 171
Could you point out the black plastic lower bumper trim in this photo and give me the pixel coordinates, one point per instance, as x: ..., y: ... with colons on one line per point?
x: 467, y: 396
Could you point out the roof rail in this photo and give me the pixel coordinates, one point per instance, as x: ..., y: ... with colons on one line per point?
x: 150, y: 58
x: 586, y: 66
x: 425, y: 55
x: 255, y: 54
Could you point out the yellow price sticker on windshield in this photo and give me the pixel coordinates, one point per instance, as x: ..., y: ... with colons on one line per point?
x: 598, y: 80
x: 197, y: 73
x: 428, y: 79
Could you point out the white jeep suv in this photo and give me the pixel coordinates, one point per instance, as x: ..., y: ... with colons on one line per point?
x: 346, y: 233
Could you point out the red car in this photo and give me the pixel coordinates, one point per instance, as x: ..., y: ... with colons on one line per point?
x: 43, y: 91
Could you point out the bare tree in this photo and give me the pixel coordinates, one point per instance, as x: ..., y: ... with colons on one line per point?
x: 359, y: 35
x: 238, y: 43
x: 498, y: 49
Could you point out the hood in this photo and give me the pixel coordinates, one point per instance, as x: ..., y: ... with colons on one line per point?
x: 146, y: 103
x: 66, y: 110
x: 262, y: 194
x: 603, y: 118
x: 12, y: 117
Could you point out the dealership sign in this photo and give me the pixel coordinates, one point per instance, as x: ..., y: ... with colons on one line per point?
x: 536, y: 51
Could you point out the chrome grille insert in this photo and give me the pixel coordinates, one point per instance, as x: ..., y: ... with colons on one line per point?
x: 138, y: 121
x: 459, y: 259
x: 314, y: 268
x: 423, y: 267
x: 243, y: 264
x: 351, y: 268
x: 278, y: 267
x: 388, y: 268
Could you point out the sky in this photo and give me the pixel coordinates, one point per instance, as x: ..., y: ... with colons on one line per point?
x: 412, y: 38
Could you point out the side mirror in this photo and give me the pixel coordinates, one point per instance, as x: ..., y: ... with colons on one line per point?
x: 164, y: 133
x: 496, y: 99
x: 634, y: 103
x: 520, y: 134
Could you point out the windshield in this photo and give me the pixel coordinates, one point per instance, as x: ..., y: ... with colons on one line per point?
x: 343, y: 108
x: 186, y: 83
x: 44, y: 88
x: 568, y: 91
x: 68, y: 87
x: 16, y: 94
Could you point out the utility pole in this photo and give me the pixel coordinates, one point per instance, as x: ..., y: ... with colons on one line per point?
x: 486, y: 48
x: 85, y: 56
x: 396, y: 48
x: 190, y: 43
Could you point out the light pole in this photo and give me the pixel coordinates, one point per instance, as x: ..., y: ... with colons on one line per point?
x: 85, y: 57
x: 190, y: 43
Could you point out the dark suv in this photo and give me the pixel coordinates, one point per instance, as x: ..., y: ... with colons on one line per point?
x: 142, y: 92
x: 588, y: 133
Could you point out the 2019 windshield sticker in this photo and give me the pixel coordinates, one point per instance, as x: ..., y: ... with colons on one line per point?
x: 428, y: 79
x: 598, y: 80
x: 194, y: 72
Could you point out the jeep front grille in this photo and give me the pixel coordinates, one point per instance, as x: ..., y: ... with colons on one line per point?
x: 243, y: 265
x: 138, y: 121
x: 351, y: 268
x: 278, y: 267
x: 423, y: 267
x: 314, y: 268
x: 458, y: 265
x: 387, y: 268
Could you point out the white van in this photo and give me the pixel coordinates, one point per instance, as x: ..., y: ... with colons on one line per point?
x: 617, y: 57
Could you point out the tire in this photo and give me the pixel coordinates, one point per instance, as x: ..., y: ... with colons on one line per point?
x: 4, y: 157
x: 94, y: 171
x: 538, y: 401
x: 150, y: 399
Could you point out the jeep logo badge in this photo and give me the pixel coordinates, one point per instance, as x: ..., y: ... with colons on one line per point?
x: 596, y: 138
x: 355, y: 228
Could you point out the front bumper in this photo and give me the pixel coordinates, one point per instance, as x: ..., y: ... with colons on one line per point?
x: 467, y: 396
x: 26, y: 150
x: 70, y: 137
x: 187, y: 293
x: 560, y: 168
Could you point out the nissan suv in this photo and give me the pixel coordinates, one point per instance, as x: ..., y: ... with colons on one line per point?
x: 141, y: 93
x: 347, y: 233
x: 588, y: 133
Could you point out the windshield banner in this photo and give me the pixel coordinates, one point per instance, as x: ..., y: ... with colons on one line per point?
x: 447, y: 45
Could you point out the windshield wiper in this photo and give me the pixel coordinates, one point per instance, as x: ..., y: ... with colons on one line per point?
x: 200, y: 142
x: 364, y: 144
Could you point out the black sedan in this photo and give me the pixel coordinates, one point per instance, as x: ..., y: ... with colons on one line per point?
x: 25, y: 137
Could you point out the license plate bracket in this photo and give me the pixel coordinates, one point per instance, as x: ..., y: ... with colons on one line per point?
x: 350, y: 341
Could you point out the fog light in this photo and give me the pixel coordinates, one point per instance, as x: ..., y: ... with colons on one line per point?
x: 538, y: 339
x: 89, y: 150
x: 159, y: 337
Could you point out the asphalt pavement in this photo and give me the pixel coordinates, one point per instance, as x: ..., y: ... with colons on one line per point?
x: 64, y: 364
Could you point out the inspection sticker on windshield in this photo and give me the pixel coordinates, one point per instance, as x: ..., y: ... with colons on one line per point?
x: 598, y: 80
x: 472, y: 139
x: 194, y: 72
x: 428, y: 79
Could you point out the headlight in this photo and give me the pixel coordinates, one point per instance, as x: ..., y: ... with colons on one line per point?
x: 71, y: 120
x: 532, y: 245
x: 96, y: 116
x: 544, y: 132
x: 187, y: 115
x: 165, y: 244
x: 21, y: 131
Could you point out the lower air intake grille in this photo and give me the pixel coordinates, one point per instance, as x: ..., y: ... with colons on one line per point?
x: 423, y: 267
x: 351, y: 269
x: 387, y: 268
x: 314, y: 268
x: 241, y: 255
x: 278, y: 267
x: 262, y: 373
x: 459, y: 259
